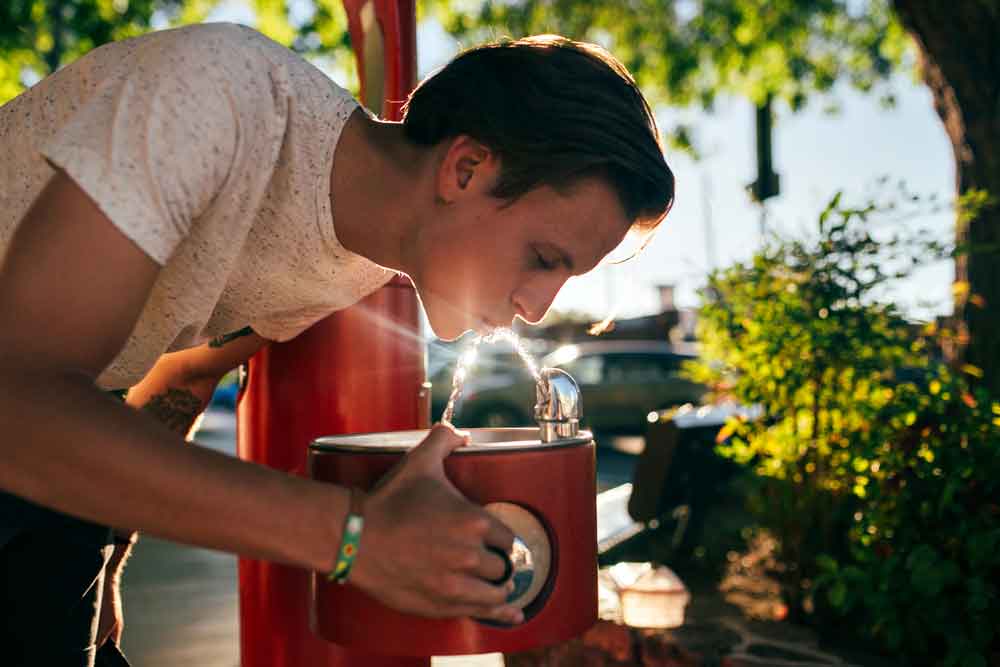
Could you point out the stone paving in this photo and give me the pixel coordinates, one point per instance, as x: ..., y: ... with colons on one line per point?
x: 715, y: 634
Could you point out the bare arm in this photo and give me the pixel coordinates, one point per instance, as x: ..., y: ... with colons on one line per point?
x: 174, y: 392
x: 179, y: 387
x: 71, y: 289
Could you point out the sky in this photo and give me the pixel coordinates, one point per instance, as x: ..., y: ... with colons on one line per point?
x: 816, y: 155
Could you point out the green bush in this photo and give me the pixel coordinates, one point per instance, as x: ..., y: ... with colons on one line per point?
x: 877, y: 466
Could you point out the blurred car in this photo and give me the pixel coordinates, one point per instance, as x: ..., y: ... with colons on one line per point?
x: 225, y: 394
x: 622, y: 382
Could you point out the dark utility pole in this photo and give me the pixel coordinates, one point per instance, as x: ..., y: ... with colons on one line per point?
x: 768, y: 184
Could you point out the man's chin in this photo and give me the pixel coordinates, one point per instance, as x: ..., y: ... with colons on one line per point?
x: 450, y: 339
x: 450, y: 332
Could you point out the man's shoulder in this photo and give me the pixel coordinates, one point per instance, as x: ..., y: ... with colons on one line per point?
x: 222, y: 32
x: 210, y: 47
x: 220, y: 42
x: 241, y: 50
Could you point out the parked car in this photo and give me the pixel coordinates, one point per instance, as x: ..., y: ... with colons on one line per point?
x: 225, y: 393
x: 622, y: 382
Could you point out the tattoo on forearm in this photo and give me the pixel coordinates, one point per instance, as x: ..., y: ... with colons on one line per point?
x: 219, y: 341
x: 177, y: 408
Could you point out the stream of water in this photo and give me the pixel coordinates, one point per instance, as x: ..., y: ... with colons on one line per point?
x: 468, y: 359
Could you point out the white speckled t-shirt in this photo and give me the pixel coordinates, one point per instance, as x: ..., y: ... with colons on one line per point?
x: 211, y: 147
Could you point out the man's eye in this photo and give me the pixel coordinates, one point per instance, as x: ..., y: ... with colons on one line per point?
x: 543, y: 262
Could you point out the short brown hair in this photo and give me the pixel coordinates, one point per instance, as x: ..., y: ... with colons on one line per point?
x: 554, y: 111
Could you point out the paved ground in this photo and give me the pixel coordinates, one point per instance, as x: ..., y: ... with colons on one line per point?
x: 180, y: 607
x: 181, y: 602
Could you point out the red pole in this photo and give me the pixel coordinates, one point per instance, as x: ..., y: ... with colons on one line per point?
x: 384, y: 38
x: 360, y: 370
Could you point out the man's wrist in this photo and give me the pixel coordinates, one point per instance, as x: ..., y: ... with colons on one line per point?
x: 350, y: 540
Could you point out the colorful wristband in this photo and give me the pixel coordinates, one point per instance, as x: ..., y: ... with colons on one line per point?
x: 350, y: 542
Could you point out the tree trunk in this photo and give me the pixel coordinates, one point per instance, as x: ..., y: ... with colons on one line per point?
x: 959, y: 42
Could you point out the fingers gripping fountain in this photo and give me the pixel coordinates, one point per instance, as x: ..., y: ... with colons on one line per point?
x: 538, y: 481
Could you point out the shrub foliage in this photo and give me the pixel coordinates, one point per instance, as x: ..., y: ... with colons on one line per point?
x: 877, y: 465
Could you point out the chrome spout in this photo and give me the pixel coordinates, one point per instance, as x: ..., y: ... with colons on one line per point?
x: 559, y: 405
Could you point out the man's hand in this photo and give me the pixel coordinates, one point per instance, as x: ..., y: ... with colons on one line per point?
x: 179, y: 387
x: 424, y: 546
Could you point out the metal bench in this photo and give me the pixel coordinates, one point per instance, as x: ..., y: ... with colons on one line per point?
x: 679, y: 475
x: 615, y: 526
x: 676, y: 477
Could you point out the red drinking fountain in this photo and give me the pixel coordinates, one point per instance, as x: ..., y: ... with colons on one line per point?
x: 539, y: 481
x: 362, y: 370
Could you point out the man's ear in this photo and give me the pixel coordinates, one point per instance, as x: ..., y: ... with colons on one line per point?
x: 467, y: 167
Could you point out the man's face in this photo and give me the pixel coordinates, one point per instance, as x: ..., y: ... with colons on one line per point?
x: 481, y: 264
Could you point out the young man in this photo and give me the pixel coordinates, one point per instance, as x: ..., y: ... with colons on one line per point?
x: 172, y: 203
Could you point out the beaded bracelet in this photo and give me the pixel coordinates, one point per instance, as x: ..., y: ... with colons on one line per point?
x: 350, y: 542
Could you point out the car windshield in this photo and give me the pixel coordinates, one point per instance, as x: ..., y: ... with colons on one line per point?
x: 616, y: 365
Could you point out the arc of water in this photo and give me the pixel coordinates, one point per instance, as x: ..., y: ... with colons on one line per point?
x: 468, y: 359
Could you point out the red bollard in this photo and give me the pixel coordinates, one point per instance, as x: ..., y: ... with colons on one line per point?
x: 360, y: 370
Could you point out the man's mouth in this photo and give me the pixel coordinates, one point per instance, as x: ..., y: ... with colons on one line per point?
x: 486, y: 325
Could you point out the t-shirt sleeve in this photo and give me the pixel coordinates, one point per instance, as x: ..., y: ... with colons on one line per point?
x: 154, y: 145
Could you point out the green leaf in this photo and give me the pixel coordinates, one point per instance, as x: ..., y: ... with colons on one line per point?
x: 973, y: 658
x: 837, y: 595
x: 826, y: 564
x: 752, y: 48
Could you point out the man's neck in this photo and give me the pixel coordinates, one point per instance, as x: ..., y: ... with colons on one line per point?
x: 378, y: 186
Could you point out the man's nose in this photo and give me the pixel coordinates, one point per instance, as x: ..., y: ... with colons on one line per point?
x: 533, y: 301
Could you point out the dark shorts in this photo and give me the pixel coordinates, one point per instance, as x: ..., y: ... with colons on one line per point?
x: 51, y: 580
